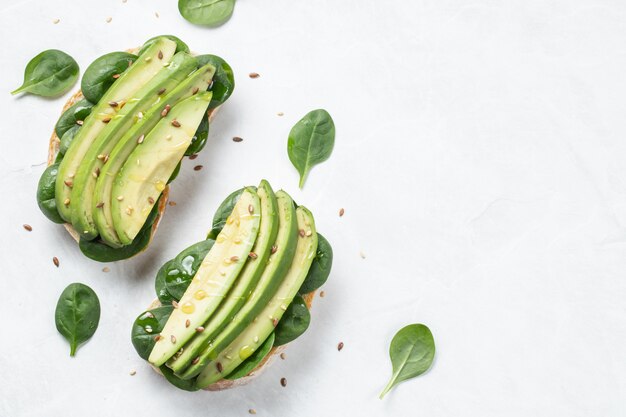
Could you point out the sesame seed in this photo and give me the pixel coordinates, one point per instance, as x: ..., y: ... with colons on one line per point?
x: 195, y: 360
x: 120, y: 197
x: 274, y: 322
x: 234, y: 258
x: 252, y: 411
x: 148, y: 59
x: 140, y: 139
x: 106, y: 269
x: 309, y: 233
x: 254, y: 75
x: 166, y: 110
x: 219, y: 367
x: 187, y: 323
x: 274, y: 249
x: 157, y: 16
x: 66, y: 202
x: 106, y: 158
x: 194, y: 156
x: 175, y: 123
x: 161, y: 91
x: 55, y: 261
x: 68, y: 183
x: 56, y: 21
x: 322, y: 294
x: 106, y: 120
x: 341, y: 211
x: 362, y: 255
x: 173, y: 339
x: 197, y: 168
x: 195, y: 91
x: 113, y: 103
x: 174, y: 303
x: 109, y: 19
x: 132, y: 372
x: 160, y: 55
x: 199, y: 329
x: 237, y: 139
x: 253, y: 255
x: 283, y: 356
x: 116, y: 76
x: 340, y: 346
x: 150, y: 200
x: 158, y: 337
x: 79, y: 122
x: 250, y: 209
x: 301, y: 232
x: 283, y: 382
x: 280, y: 114
x: 172, y: 203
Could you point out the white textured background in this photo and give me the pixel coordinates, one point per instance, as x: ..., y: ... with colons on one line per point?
x: 481, y: 161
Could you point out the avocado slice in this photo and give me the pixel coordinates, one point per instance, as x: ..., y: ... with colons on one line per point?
x: 277, y: 266
x: 145, y: 173
x: 216, y: 275
x: 255, y: 334
x: 122, y: 90
x: 246, y: 282
x: 148, y: 96
x: 101, y: 202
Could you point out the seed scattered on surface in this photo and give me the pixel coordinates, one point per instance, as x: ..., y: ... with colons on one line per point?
x: 120, y: 197
x: 148, y: 59
x: 100, y: 204
x: 187, y: 323
x: 133, y: 372
x: 280, y: 113
x: 106, y: 158
x: 252, y: 411
x: 113, y: 103
x: 250, y: 208
x: 195, y: 91
x: 172, y: 203
x: 362, y: 254
x: 173, y: 339
x: 28, y: 227
x: 197, y: 168
x: 158, y: 337
x: 150, y: 200
x: 341, y: 211
x: 79, y: 122
x: 106, y: 269
x: 166, y: 110
x: 219, y: 367
x: 161, y: 91
x: 160, y: 55
x: 174, y: 303
x: 175, y: 123
x: 100, y: 157
x: 309, y: 233
x: 140, y: 139
x: 55, y: 21
x: 322, y: 294
x: 237, y: 139
x: 253, y: 255
x: 68, y: 183
x: 274, y: 322
x: 340, y: 346
x: 254, y: 75
x: 199, y: 329
x: 195, y: 360
x: 301, y: 232
x: 168, y: 137
x: 55, y: 261
x: 66, y: 202
x: 129, y: 210
x: 274, y: 249
x: 116, y: 76
x: 157, y: 16
x: 283, y: 356
x: 140, y: 115
x: 194, y: 156
x: 106, y: 120
x: 234, y: 258
x: 109, y: 19
x: 96, y: 173
x: 283, y: 382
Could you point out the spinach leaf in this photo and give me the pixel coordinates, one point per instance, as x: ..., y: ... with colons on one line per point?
x: 199, y: 138
x: 253, y: 360
x: 224, y: 210
x: 67, y: 138
x: 180, y: 45
x: 100, y: 75
x: 412, y: 351
x: 77, y: 314
x: 311, y: 141
x: 145, y: 327
x: 223, y: 83
x: 206, y: 12
x: 99, y: 251
x: 294, y: 322
x: 49, y: 74
x: 77, y: 112
x: 175, y: 172
x: 320, y: 268
x: 159, y: 284
x: 181, y: 270
x: 184, y: 384
x: 45, y: 194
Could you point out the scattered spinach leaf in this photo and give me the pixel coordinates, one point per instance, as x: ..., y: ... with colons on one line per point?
x: 180, y: 45
x: 223, y: 81
x: 49, y: 74
x: 206, y: 12
x: 78, y: 111
x: 311, y: 141
x: 412, y: 351
x: 145, y: 327
x: 99, y: 76
x: 252, y: 361
x: 77, y: 314
x: 224, y: 210
x: 320, y: 268
x: 294, y: 322
x: 181, y: 270
x: 45, y: 194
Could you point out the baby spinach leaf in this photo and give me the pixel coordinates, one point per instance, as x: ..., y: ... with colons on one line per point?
x: 224, y: 210
x: 199, y: 138
x: 253, y: 360
x: 183, y: 268
x: 77, y: 112
x: 294, y: 322
x: 45, y: 194
x: 184, y: 384
x: 412, y: 352
x: 311, y: 141
x: 49, y: 74
x: 206, y: 12
x: 320, y: 268
x: 223, y: 83
x: 100, y: 75
x: 180, y: 45
x: 145, y: 327
x: 175, y: 172
x: 67, y: 138
x: 159, y: 284
x: 77, y: 314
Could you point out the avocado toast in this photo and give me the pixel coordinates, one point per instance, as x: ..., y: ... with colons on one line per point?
x: 116, y: 149
x: 228, y: 303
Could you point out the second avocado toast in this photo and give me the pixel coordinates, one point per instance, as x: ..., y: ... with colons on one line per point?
x: 228, y: 302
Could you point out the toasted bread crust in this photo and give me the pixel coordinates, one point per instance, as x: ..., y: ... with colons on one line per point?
x: 265, y: 363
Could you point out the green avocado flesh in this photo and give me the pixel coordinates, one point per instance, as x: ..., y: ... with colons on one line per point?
x: 128, y: 115
x: 145, y: 174
x: 224, y: 323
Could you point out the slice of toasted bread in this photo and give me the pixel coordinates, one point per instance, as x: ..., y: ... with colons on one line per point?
x: 226, y: 383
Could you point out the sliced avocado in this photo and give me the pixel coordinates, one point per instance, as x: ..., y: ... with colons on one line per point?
x: 122, y: 90
x: 145, y: 98
x: 101, y: 202
x: 214, y: 278
x: 246, y: 282
x: 144, y: 175
x: 277, y: 266
x: 253, y: 336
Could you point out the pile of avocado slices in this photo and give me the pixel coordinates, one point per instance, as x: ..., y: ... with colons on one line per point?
x: 228, y: 300
x: 123, y: 143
